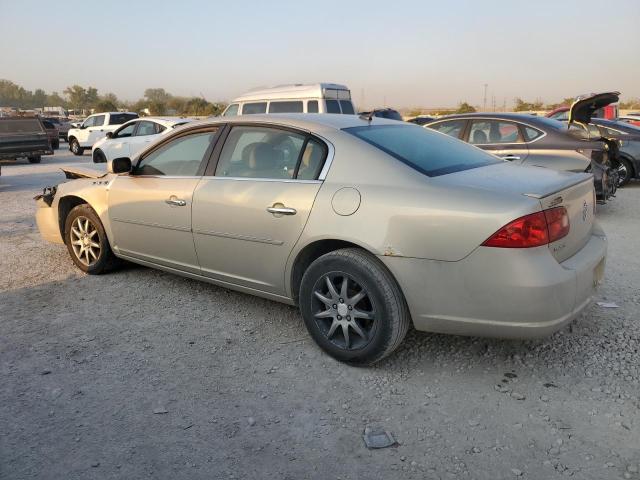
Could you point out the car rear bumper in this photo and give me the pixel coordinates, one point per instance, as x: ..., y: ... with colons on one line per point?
x: 507, y: 293
x: 47, y: 221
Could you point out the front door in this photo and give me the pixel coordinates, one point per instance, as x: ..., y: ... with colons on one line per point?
x: 150, y: 209
x: 96, y: 131
x: 249, y: 215
x: 500, y: 137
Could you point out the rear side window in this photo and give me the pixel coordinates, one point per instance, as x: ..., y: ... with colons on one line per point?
x: 493, y: 131
x: 312, y: 106
x: 452, y: 128
x: 333, y: 106
x: 146, y: 128
x: 347, y: 107
x: 286, y: 107
x: 425, y: 151
x: 119, y: 118
x: 23, y: 125
x: 254, y: 108
x: 531, y: 133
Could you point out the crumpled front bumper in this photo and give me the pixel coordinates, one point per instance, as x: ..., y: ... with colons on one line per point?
x: 47, y: 221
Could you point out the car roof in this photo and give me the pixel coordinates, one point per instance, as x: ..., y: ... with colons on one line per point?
x: 292, y: 91
x: 304, y: 121
x: 167, y: 121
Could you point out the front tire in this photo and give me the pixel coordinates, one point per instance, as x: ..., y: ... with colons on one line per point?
x: 99, y: 157
x: 75, y: 147
x: 625, y: 172
x: 87, y: 241
x: 35, y: 159
x: 353, y: 307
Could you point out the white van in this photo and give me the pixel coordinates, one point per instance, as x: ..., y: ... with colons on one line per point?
x: 298, y: 98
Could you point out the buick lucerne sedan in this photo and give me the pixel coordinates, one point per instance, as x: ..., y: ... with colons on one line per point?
x: 368, y: 225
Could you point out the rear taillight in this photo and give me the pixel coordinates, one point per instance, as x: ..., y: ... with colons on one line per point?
x: 532, y: 230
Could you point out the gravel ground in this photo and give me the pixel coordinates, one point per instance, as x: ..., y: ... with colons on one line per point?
x: 143, y: 374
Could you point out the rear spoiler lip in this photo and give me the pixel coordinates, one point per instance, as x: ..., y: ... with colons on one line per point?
x: 580, y: 178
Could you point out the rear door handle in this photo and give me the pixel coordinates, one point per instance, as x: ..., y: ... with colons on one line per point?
x: 279, y: 209
x: 510, y: 157
x: 175, y: 202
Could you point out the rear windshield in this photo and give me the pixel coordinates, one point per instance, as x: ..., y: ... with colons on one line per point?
x: 23, y: 125
x: 120, y: 118
x: 428, y: 152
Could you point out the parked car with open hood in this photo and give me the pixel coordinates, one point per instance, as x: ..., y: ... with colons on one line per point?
x: 296, y: 98
x: 535, y: 141
x: 133, y: 136
x: 95, y: 127
x: 367, y: 225
x: 23, y: 137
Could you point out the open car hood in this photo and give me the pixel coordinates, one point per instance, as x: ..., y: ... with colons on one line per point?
x: 585, y: 105
x: 83, y: 172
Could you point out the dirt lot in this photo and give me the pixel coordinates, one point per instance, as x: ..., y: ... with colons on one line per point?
x: 142, y: 374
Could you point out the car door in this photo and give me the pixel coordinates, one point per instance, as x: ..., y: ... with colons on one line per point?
x: 96, y: 131
x: 150, y: 209
x: 249, y: 213
x: 118, y: 145
x: 82, y: 133
x: 146, y: 132
x: 500, y: 137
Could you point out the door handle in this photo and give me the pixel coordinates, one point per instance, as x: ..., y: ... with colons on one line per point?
x: 279, y: 209
x: 175, y: 202
x: 510, y: 157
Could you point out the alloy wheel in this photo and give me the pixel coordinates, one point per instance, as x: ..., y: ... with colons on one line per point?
x: 344, y: 311
x: 85, y: 241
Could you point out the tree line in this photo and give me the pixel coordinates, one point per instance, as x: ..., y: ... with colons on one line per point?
x: 76, y: 97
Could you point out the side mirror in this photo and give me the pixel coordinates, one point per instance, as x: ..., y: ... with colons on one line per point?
x: 119, y: 165
x: 109, y: 135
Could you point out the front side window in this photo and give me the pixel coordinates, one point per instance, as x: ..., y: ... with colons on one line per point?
x: 98, y: 120
x: 89, y: 122
x: 312, y: 106
x: 347, y: 107
x: 453, y: 128
x: 286, y: 107
x: 423, y: 150
x: 261, y: 152
x: 493, y: 131
x: 254, y: 108
x: 231, y: 110
x: 333, y: 106
x: 120, y: 118
x: 125, y: 131
x: 179, y: 157
x: 146, y: 128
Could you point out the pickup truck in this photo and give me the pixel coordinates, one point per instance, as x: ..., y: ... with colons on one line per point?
x: 94, y: 128
x: 23, y: 137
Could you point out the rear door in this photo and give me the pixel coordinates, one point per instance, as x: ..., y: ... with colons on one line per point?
x: 150, y: 209
x: 249, y: 213
x: 500, y: 137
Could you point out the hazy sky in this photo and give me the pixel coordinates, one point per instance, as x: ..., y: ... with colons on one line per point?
x: 407, y: 53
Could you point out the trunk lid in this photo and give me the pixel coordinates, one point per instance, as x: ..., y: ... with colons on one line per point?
x: 585, y: 105
x: 579, y: 200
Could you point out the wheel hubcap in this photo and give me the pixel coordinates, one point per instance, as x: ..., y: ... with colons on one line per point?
x: 343, y: 311
x: 85, y: 241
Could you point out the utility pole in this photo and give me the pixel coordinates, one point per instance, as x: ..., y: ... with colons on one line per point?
x: 484, y: 102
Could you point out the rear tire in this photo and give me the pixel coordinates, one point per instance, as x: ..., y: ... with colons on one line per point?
x: 99, y: 157
x: 625, y: 171
x: 358, y: 323
x: 75, y: 147
x: 87, y: 241
x: 35, y: 159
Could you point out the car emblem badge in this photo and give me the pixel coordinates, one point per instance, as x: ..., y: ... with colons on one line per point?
x: 585, y: 211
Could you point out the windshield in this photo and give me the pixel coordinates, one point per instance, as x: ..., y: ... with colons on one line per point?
x: 429, y: 152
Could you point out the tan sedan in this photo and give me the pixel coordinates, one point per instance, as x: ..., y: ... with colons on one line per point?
x: 369, y: 225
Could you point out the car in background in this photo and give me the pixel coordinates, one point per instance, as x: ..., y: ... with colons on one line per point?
x: 632, y: 118
x: 296, y: 98
x: 133, y: 136
x: 537, y: 141
x: 388, y: 113
x: 368, y: 225
x: 421, y: 120
x: 62, y: 124
x: 94, y: 128
x: 53, y: 133
x: 23, y: 137
x: 628, y: 138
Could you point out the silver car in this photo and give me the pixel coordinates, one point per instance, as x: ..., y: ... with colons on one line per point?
x: 369, y: 225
